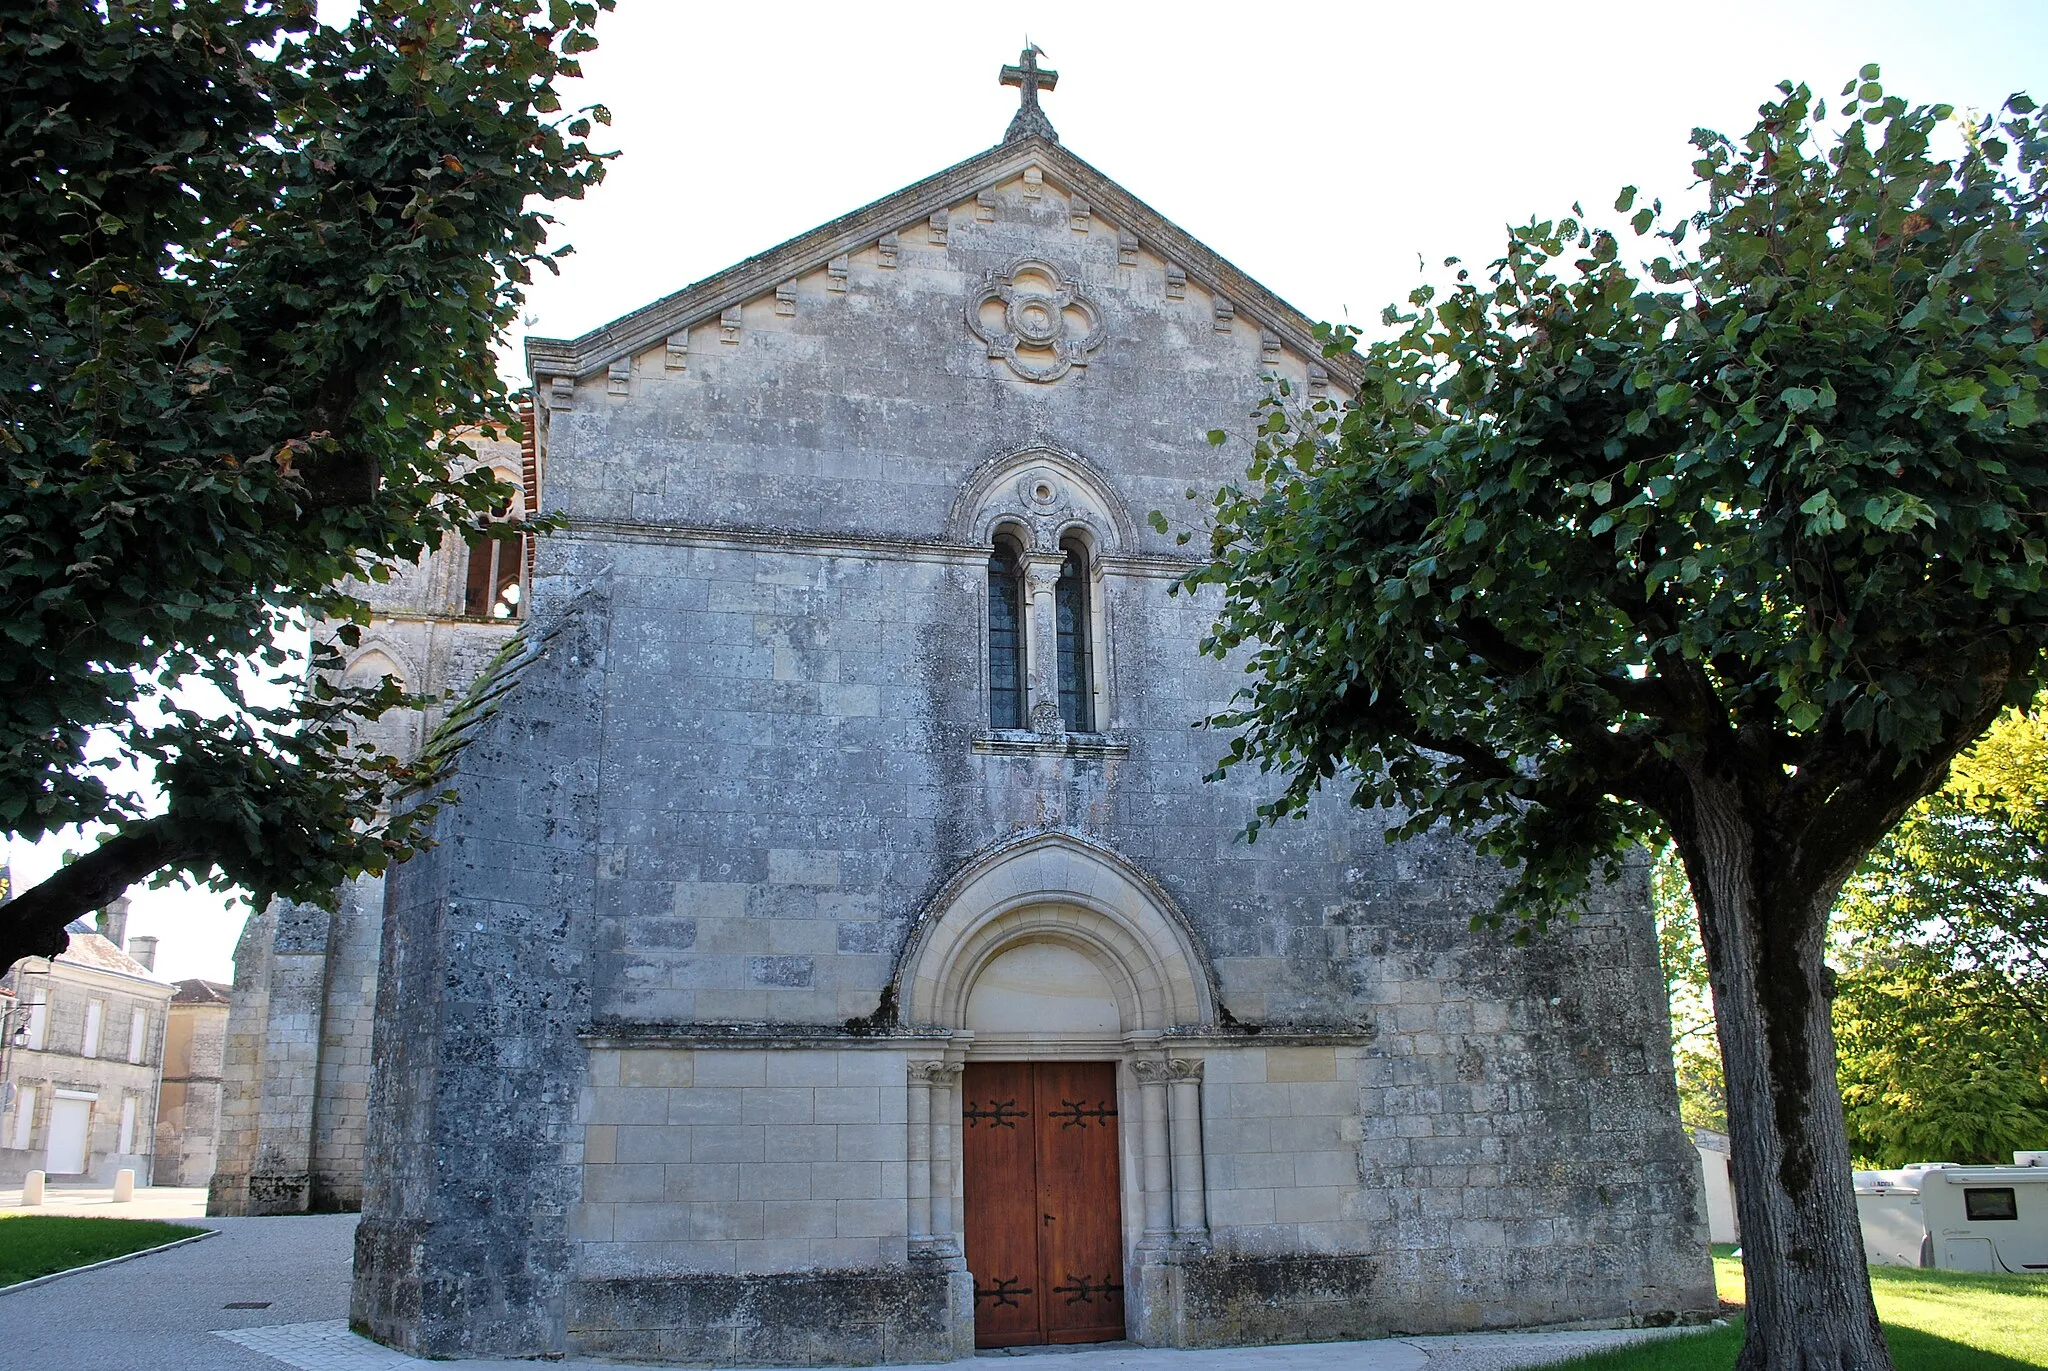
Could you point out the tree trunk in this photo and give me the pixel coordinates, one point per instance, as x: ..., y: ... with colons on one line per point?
x: 1809, y: 1306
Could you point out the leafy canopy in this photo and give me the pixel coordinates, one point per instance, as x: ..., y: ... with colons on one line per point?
x: 1778, y: 495
x: 1943, y: 1017
x: 252, y: 274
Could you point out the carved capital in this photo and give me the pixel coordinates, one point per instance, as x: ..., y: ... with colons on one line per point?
x: 1184, y: 1068
x: 934, y: 1073
x: 1151, y: 1072
x: 1042, y: 571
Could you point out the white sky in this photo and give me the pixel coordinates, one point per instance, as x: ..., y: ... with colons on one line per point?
x: 1320, y: 147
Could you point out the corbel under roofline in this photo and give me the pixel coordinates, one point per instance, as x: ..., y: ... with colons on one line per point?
x: 761, y: 273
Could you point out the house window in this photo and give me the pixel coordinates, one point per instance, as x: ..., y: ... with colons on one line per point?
x: 138, y: 1029
x: 38, y: 1024
x: 1005, y: 637
x: 496, y: 565
x: 127, y: 1141
x: 24, y: 1116
x: 90, y: 1047
x: 1070, y: 605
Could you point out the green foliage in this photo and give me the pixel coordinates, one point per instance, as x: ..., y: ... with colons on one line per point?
x: 1942, y: 1020
x: 252, y: 272
x: 1933, y: 1070
x: 1770, y: 507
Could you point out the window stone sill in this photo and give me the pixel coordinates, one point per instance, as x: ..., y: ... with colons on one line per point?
x: 1022, y: 742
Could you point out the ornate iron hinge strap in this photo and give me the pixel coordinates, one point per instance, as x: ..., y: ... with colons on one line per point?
x: 1000, y: 1114
x: 1076, y: 1113
x: 1003, y: 1292
x: 1084, y: 1291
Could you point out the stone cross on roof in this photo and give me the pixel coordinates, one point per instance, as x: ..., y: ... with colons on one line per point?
x: 1032, y: 78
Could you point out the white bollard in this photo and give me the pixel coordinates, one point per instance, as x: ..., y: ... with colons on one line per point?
x: 32, y: 1188
x: 124, y: 1185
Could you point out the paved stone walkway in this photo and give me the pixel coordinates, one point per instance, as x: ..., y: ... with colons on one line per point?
x: 169, y: 1312
x: 329, y: 1346
x: 160, y: 1312
x: 170, y: 1202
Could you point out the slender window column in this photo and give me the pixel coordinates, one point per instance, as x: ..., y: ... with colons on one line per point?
x: 918, y: 1180
x: 1041, y: 635
x: 1190, y: 1193
x: 1157, y: 1182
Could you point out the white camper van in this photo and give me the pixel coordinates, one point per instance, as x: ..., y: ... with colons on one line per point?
x: 1958, y: 1218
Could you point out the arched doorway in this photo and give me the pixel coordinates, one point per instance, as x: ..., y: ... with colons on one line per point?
x: 1055, y: 974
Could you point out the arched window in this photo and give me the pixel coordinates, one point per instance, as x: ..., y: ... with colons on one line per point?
x: 1070, y: 605
x: 1005, y: 637
x: 495, y: 565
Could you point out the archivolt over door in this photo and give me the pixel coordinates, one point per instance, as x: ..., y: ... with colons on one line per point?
x: 1044, y: 1232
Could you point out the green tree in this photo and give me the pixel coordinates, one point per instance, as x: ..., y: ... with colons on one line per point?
x: 1933, y: 1069
x: 252, y: 270
x: 1744, y: 546
x: 1943, y: 1012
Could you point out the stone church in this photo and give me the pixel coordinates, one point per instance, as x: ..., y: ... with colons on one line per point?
x: 837, y: 955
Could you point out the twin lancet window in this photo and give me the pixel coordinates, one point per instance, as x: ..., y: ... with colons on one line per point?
x: 491, y: 589
x: 1020, y: 612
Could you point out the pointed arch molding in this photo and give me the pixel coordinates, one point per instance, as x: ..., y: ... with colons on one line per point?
x: 1063, y: 888
x: 378, y: 645
x: 1045, y: 489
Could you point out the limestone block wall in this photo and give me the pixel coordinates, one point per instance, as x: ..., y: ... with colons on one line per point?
x: 189, y: 1107
x: 348, y: 1012
x: 241, y: 1068
x: 708, y: 1168
x: 730, y: 1161
x: 775, y: 816
x: 1282, y: 1131
x: 474, y: 1153
x: 271, y: 1063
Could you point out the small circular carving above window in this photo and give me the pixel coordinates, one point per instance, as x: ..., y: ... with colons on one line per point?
x: 1036, y: 320
x: 1039, y: 491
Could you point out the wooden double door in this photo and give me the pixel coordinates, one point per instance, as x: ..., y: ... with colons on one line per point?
x: 1043, y: 1217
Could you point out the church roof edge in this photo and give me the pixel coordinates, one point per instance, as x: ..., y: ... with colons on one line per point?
x: 592, y: 352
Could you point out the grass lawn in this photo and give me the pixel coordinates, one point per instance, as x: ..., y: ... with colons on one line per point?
x: 34, y: 1245
x: 1934, y: 1321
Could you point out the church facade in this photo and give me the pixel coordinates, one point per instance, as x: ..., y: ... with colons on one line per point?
x: 837, y: 955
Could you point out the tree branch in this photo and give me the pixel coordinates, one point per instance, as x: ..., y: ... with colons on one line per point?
x: 32, y: 924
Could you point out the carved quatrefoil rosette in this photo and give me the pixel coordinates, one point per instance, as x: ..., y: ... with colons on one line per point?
x: 1036, y: 320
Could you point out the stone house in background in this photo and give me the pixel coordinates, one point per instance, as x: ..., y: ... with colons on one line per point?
x: 296, y: 1068
x: 82, y: 1080
x: 188, y: 1101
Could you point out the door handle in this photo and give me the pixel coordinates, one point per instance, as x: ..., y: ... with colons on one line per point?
x: 1048, y: 1218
